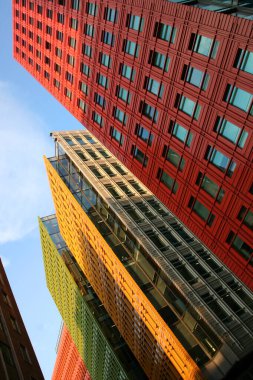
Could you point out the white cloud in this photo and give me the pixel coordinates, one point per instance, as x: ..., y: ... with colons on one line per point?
x: 24, y: 192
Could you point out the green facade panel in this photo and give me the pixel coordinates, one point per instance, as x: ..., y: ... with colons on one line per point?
x: 79, y: 311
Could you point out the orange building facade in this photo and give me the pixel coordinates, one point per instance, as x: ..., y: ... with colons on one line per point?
x: 69, y: 364
x: 179, y: 309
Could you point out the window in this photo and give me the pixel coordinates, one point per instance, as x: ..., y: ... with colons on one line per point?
x: 75, y: 4
x: 83, y: 87
x: 127, y: 72
x: 72, y: 42
x: 48, y: 45
x: 39, y: 40
x: 135, y: 22
x: 174, y: 158
x: 60, y: 18
x: 7, y: 354
x: 110, y: 15
x: 165, y: 32
x: 25, y: 353
x: 150, y: 112
x: 100, y: 100
x: 59, y: 35
x: 81, y: 105
x: 244, y: 61
x: 89, y: 30
x: 116, y: 135
x: 49, y: 13
x: 168, y: 181
x: 87, y: 50
x: 246, y: 216
x: 131, y: 48
x: 105, y: 59
x: 47, y: 60
x: 102, y: 80
x: 39, y: 9
x: 159, y: 60
x: 97, y: 118
x: 68, y: 93
x: 58, y: 52
x: 144, y: 134
x: 39, y: 26
x: 203, y: 212
x: 71, y: 60
x: 230, y: 132
x: 203, y: 45
x: 221, y: 161
x: 73, y: 23
x: 46, y: 75
x: 57, y: 68
x: 61, y: 2
x: 108, y: 38
x: 69, y: 77
x: 85, y: 69
x: 57, y: 84
x: 49, y: 30
x: 181, y: 133
x: 123, y: 94
x: 120, y: 115
x: 91, y: 9
x: 139, y: 156
x: 6, y: 298
x: 189, y: 107
x: 14, y: 324
x: 154, y: 86
x: 210, y: 187
x: 239, y: 98
x: 239, y: 245
x: 195, y: 77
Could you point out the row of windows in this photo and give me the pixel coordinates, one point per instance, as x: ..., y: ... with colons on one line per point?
x: 244, y: 215
x: 200, y: 44
x: 235, y: 96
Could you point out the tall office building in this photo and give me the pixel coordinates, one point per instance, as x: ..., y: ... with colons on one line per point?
x: 167, y: 87
x: 17, y: 357
x: 180, y: 311
x: 69, y: 364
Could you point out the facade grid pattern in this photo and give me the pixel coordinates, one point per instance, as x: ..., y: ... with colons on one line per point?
x: 168, y: 89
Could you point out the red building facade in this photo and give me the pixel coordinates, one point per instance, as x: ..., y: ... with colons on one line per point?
x: 168, y: 88
x: 69, y: 364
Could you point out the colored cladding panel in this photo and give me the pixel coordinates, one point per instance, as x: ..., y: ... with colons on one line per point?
x: 156, y: 348
x: 69, y: 364
x: 148, y: 78
x: 91, y: 342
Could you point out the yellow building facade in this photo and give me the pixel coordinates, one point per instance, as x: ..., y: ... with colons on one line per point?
x: 170, y: 338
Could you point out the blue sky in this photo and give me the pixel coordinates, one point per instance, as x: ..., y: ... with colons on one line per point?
x: 28, y: 113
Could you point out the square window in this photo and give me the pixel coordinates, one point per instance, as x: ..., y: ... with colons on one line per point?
x: 110, y: 15
x: 165, y: 32
x: 154, y: 86
x: 159, y: 60
x: 244, y: 61
x: 135, y: 22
